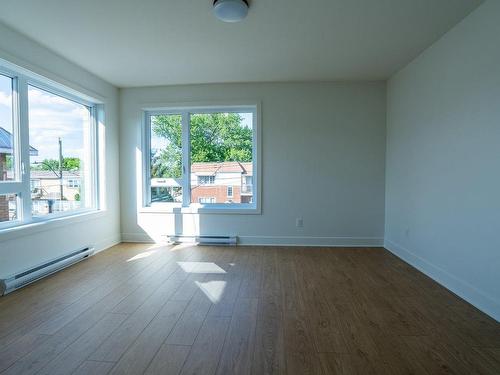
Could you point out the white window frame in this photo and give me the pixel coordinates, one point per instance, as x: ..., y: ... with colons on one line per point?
x: 185, y: 110
x: 22, y: 79
x: 232, y: 191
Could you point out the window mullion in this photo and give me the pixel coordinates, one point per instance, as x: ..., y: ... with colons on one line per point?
x: 23, y: 131
x: 93, y: 171
x: 147, y: 161
x: 87, y: 186
x: 186, y: 170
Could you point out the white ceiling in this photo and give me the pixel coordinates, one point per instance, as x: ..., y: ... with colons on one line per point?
x: 157, y: 42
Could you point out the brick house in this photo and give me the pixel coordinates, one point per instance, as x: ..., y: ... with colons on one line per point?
x: 223, y: 182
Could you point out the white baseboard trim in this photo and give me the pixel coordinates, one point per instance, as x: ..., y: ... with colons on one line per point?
x: 463, y: 289
x: 107, y: 243
x: 310, y: 241
x: 281, y: 240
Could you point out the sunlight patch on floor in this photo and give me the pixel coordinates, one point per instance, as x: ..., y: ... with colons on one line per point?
x: 142, y: 255
x: 212, y: 289
x: 200, y: 267
x: 181, y: 246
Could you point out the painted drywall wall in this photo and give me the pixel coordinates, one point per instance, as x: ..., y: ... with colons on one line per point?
x: 443, y: 157
x: 26, y: 248
x: 323, y: 159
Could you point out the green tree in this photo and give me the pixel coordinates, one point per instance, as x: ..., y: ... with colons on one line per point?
x: 167, y: 162
x: 9, y: 162
x: 69, y: 164
x: 215, y: 137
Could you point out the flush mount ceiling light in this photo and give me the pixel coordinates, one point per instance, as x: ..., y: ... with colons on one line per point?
x: 230, y: 10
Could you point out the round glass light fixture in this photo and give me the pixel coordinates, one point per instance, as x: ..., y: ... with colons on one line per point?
x: 230, y: 10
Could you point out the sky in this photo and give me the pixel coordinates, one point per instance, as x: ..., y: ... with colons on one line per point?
x: 5, y: 103
x: 50, y: 117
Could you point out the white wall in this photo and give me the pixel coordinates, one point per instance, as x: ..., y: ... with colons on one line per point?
x: 323, y: 150
x: 25, y: 248
x: 443, y: 158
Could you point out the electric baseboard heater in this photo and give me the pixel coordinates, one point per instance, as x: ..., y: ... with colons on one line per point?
x: 31, y: 275
x: 205, y: 240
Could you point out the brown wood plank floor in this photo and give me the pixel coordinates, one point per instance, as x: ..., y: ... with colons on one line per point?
x: 144, y: 309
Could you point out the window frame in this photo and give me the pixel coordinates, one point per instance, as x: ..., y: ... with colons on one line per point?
x: 21, y: 186
x: 185, y: 110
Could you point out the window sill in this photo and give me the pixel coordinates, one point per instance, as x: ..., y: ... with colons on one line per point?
x: 48, y: 224
x: 194, y: 209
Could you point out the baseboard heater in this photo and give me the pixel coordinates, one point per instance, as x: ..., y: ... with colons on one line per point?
x: 205, y: 240
x: 31, y: 275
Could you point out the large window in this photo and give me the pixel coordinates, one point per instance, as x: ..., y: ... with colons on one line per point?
x: 48, y: 139
x: 60, y: 132
x: 200, y: 157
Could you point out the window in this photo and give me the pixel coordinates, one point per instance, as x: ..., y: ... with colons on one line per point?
x: 73, y: 183
x: 202, y: 156
x: 59, y: 131
x: 204, y: 200
x: 166, y: 158
x: 48, y: 153
x: 206, y: 180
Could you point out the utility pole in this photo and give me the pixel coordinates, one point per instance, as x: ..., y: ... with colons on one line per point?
x: 61, y: 169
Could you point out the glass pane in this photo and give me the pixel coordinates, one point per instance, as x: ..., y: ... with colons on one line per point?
x: 8, y: 207
x: 7, y: 141
x: 221, y: 157
x: 166, y: 158
x: 61, y: 153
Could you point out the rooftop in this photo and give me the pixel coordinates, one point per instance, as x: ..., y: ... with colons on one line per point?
x: 222, y: 167
x: 47, y: 175
x: 6, y: 143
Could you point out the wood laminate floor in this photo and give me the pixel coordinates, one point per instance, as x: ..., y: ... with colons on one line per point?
x: 143, y: 309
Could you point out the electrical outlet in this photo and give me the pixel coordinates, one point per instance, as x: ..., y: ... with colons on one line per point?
x: 299, y: 222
